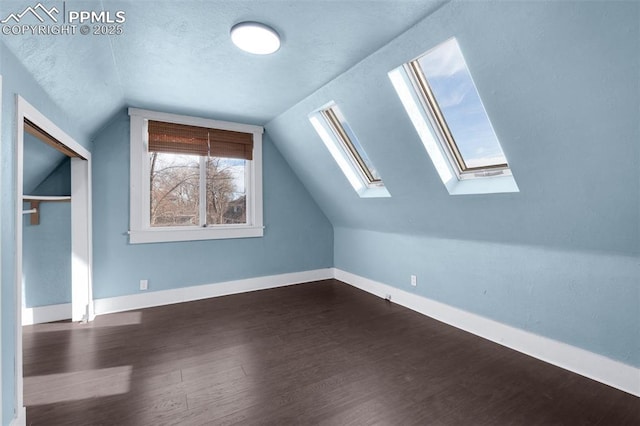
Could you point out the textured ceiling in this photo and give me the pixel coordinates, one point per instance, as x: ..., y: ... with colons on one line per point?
x: 177, y: 56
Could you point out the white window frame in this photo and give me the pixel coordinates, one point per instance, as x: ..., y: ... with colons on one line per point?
x: 458, y: 182
x: 341, y: 153
x: 140, y: 192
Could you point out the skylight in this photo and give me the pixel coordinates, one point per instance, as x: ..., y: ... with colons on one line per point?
x: 438, y: 92
x: 446, y: 84
x: 344, y: 146
x: 343, y: 131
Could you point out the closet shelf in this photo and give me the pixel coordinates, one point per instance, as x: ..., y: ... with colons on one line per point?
x: 35, y: 201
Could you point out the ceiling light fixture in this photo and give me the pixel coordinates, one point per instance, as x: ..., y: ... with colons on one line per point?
x: 254, y: 37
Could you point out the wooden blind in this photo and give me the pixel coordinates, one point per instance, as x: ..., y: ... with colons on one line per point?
x: 194, y: 140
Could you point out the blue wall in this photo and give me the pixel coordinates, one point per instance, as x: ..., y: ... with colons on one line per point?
x: 560, y: 258
x: 588, y: 300
x: 16, y: 80
x: 40, y: 162
x: 46, y: 247
x: 298, y: 237
x: 46, y: 259
x: 58, y: 182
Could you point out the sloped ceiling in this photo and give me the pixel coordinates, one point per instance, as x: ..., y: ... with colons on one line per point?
x: 559, y: 81
x: 177, y: 55
x: 40, y: 161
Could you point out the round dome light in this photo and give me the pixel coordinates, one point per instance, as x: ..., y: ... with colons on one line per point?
x: 254, y: 37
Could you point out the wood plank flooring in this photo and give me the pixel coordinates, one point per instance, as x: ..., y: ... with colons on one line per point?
x: 321, y: 353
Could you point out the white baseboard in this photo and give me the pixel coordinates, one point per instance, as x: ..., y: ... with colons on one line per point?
x: 40, y: 314
x: 21, y: 420
x: 597, y: 367
x: 186, y: 294
x: 577, y: 360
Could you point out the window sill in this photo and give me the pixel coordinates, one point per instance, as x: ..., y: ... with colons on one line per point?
x: 488, y: 185
x: 374, y: 192
x: 162, y: 235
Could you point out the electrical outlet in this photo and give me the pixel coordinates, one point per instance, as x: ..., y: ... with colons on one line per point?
x: 414, y: 280
x: 144, y: 284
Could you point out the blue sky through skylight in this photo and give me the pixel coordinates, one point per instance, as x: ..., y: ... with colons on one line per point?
x: 450, y: 80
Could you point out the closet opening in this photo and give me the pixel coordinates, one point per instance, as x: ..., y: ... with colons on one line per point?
x: 53, y: 227
x: 46, y: 236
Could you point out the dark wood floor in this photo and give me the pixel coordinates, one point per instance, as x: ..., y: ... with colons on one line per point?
x: 321, y: 353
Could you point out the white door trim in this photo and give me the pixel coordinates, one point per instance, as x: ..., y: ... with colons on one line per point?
x: 81, y: 238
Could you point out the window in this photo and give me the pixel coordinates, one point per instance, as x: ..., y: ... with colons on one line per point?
x: 343, y: 132
x: 337, y: 135
x: 443, y: 103
x: 194, y: 178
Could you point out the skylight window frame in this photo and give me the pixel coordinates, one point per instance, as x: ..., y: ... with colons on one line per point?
x: 331, y: 135
x: 439, y: 124
x: 474, y: 180
x: 333, y: 121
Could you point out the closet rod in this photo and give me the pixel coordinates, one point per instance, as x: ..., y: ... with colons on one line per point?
x: 35, y: 201
x: 46, y: 198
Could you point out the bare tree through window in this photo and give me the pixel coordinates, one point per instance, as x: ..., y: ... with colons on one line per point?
x: 175, y: 190
x: 226, y: 201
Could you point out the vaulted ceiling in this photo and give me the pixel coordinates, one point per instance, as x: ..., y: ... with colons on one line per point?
x: 177, y: 55
x: 559, y: 81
